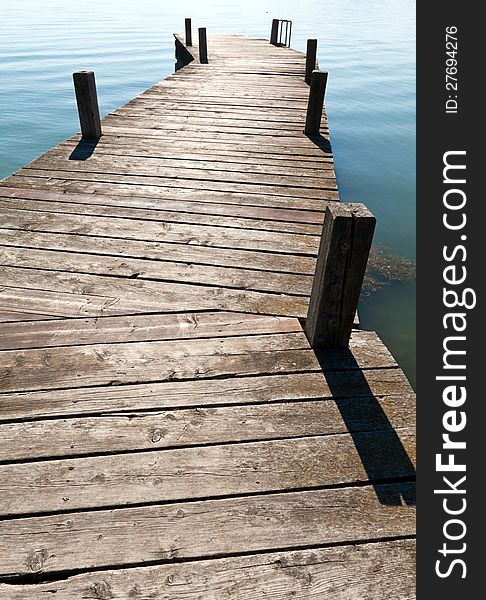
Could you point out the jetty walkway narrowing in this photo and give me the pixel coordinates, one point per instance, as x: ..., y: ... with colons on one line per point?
x: 166, y: 430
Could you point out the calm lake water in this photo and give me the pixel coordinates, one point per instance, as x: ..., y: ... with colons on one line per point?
x: 367, y: 47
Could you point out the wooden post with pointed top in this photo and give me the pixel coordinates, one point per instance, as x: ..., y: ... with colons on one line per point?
x: 188, y: 32
x: 310, y: 59
x: 341, y: 264
x: 87, y: 100
x: 203, y: 45
x: 316, y: 102
x: 274, y: 32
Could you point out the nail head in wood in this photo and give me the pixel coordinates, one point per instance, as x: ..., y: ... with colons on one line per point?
x: 316, y: 102
x: 274, y: 32
x: 341, y: 264
x: 87, y: 101
x: 203, y: 45
x: 188, y: 32
x: 310, y: 59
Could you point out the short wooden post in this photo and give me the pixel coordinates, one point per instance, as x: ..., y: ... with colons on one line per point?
x: 341, y: 264
x: 188, y: 32
x: 274, y: 32
x: 203, y: 45
x: 87, y: 100
x: 316, y: 102
x: 310, y: 59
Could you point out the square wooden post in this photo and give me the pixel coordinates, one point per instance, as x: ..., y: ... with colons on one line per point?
x: 188, y: 27
x: 341, y: 264
x: 203, y: 45
x: 274, y: 32
x: 310, y: 59
x: 87, y: 100
x: 316, y: 102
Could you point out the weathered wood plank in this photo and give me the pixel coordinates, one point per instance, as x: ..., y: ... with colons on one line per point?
x: 103, y: 364
x: 154, y: 168
x: 275, y: 267
x: 204, y: 392
x: 286, y: 170
x: 60, y: 184
x: 164, y: 214
x: 54, y: 304
x: 239, y: 279
x: 242, y: 145
x: 187, y: 206
x: 182, y: 233
x: 371, y: 570
x: 137, y: 328
x: 180, y: 156
x: 184, y: 183
x: 100, y: 364
x: 203, y: 529
x: 249, y: 139
x: 198, y: 426
x: 181, y: 151
x: 76, y: 295
x: 228, y: 112
x: 204, y: 472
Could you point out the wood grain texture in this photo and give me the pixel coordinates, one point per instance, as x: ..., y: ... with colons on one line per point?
x: 204, y: 392
x: 103, y: 364
x: 382, y: 569
x: 75, y: 295
x: 340, y: 269
x: 192, y: 427
x: 138, y: 328
x: 204, y: 528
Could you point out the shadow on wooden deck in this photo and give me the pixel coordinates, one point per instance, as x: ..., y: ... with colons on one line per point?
x: 378, y: 453
x: 83, y: 150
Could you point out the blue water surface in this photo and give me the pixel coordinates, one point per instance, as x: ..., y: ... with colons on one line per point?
x: 368, y: 47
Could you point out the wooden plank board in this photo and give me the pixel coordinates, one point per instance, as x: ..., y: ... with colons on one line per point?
x: 154, y: 168
x: 137, y: 328
x: 274, y: 266
x: 180, y: 122
x: 53, y: 184
x: 230, y: 112
x: 261, y: 213
x: 240, y: 279
x: 107, y: 538
x: 197, y: 426
x: 250, y: 140
x: 204, y: 392
x: 165, y: 214
x: 203, y: 472
x: 49, y: 304
x: 350, y: 572
x: 285, y: 170
x: 285, y: 150
x: 182, y: 233
x: 100, y: 364
x: 76, y: 295
x: 109, y: 364
x: 182, y: 152
x: 185, y: 183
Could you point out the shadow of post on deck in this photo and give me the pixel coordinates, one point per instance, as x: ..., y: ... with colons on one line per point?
x: 379, y: 447
x: 345, y: 244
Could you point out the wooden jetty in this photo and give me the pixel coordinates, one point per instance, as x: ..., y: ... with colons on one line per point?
x: 184, y: 413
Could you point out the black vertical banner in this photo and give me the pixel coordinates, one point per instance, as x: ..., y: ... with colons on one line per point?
x: 451, y: 240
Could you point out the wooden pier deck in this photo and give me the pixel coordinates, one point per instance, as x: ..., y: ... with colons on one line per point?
x: 166, y: 430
